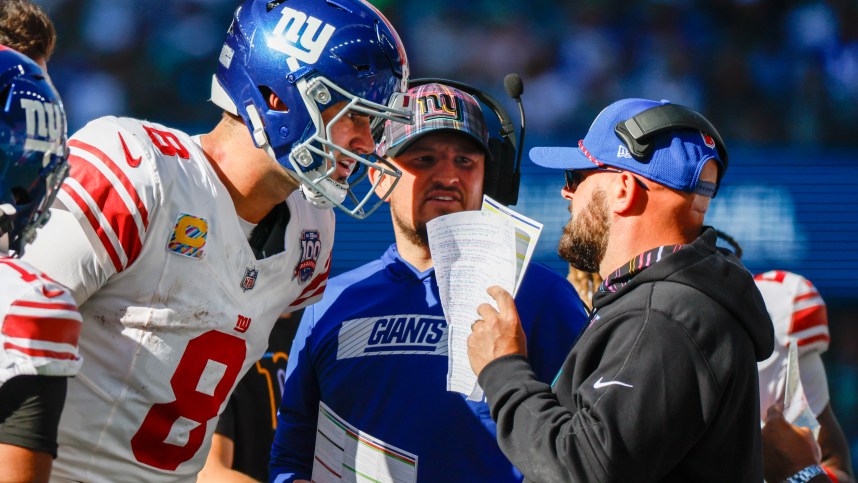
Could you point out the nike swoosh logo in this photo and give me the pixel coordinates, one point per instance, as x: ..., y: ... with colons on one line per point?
x: 598, y: 384
x: 132, y: 161
x: 51, y: 293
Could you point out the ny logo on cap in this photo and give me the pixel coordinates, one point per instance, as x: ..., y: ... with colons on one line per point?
x: 440, y: 106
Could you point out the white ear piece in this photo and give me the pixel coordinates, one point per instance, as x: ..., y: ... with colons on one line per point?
x: 8, y: 209
x: 5, y: 210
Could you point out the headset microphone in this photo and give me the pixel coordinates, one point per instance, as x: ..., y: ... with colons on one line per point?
x: 515, y: 88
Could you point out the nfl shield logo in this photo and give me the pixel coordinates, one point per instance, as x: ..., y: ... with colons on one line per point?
x: 249, y: 279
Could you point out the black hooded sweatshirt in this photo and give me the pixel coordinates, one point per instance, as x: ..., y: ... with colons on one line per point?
x: 662, y: 386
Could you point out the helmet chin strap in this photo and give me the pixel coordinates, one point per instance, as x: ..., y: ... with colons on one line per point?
x: 331, y: 187
x: 319, y: 182
x: 316, y: 198
x: 259, y: 136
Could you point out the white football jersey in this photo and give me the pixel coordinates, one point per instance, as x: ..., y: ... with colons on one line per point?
x: 39, y: 324
x: 798, y: 313
x: 176, y: 306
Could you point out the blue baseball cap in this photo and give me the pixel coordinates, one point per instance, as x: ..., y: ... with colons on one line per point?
x: 674, y: 154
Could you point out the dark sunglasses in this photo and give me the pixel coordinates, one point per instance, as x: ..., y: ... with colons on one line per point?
x: 574, y: 177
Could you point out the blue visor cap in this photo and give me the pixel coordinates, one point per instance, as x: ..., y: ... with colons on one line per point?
x: 675, y: 159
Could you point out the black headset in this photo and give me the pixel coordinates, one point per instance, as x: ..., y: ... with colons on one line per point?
x: 503, y: 169
x: 637, y: 131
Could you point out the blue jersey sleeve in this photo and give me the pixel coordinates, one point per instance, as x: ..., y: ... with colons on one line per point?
x: 294, y: 440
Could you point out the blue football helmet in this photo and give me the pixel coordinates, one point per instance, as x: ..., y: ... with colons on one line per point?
x: 33, y: 142
x: 313, y: 54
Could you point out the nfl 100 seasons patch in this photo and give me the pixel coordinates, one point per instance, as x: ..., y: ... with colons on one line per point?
x: 311, y: 246
x: 189, y: 236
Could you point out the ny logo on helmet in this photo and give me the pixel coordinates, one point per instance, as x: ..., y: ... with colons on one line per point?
x: 45, y: 121
x: 298, y: 36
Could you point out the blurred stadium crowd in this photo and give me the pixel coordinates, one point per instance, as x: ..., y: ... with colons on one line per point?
x: 767, y: 72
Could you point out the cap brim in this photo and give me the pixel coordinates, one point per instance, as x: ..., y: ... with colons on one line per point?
x: 400, y: 148
x: 560, y: 157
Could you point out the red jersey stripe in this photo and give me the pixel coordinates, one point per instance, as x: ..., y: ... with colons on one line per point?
x: 773, y: 276
x: 817, y: 338
x: 96, y: 226
x: 810, y: 317
x: 319, y: 279
x: 99, y: 188
x: 25, y: 275
x: 806, y: 296
x: 29, y: 277
x: 44, y: 305
x: 303, y: 299
x: 316, y: 281
x: 322, y: 277
x: 66, y: 356
x: 129, y: 187
x: 61, y: 331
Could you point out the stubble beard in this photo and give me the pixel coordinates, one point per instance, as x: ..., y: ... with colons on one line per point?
x: 416, y: 235
x: 585, y: 237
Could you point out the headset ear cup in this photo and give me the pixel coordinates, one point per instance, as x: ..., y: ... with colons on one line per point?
x: 492, y: 174
x: 501, y: 183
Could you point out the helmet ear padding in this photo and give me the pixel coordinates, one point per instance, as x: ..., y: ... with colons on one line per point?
x: 221, y: 99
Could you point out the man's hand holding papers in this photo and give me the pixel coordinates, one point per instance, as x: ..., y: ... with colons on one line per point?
x: 497, y: 333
